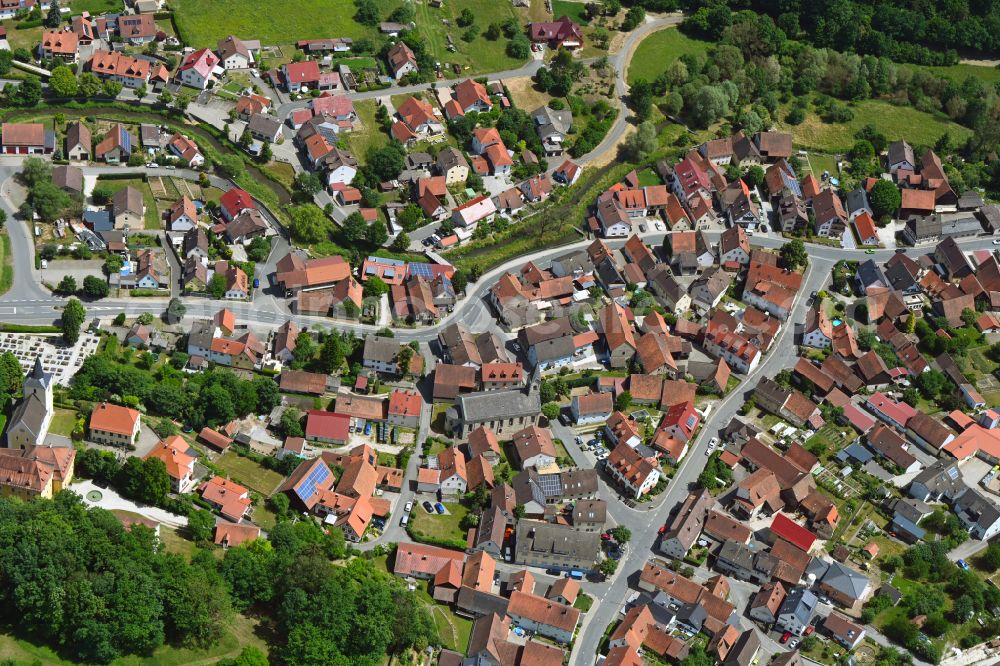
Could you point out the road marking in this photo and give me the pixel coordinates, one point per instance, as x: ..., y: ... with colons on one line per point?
x: 8, y: 311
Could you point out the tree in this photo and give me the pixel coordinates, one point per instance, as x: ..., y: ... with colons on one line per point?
x: 401, y: 243
x: 635, y: 16
x: 305, y: 349
x: 459, y: 281
x: 309, y: 225
x: 309, y: 183
x: 94, y: 287
x: 465, y: 18
x: 793, y: 254
x: 519, y: 47
x: 67, y: 285
x: 29, y: 92
x: 54, y: 17
x: 141, y: 91
x: 376, y: 234
x: 112, y: 264
x: 231, y: 165
x: 492, y: 32
x: 35, y: 170
x: 623, y: 401
x: 885, y: 198
x: 642, y: 143
x: 89, y: 85
x: 72, y: 318
x: 754, y: 177
x: 111, y: 88
x: 387, y: 162
x: 63, y: 82
x: 201, y: 525
x: 621, y: 534
x: 48, y: 200
x: 375, y: 287
x: 175, y: 310
x: 259, y: 249
x: 608, y: 566
x: 332, y: 353
x: 411, y: 217
x: 291, y: 423
x: 145, y: 480
x: 551, y: 410
x: 640, y: 99
x: 354, y: 227
x: 3, y: 219
x: 217, y: 286
x: 367, y: 12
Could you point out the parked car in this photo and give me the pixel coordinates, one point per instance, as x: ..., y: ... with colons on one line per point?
x: 963, y: 564
x: 439, y: 507
x: 784, y: 639
x: 409, y: 507
x: 793, y: 643
x: 428, y: 507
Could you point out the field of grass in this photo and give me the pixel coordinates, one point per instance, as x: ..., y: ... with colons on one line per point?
x: 203, y: 23
x: 479, y: 55
x: 658, y: 51
x: 369, y: 135
x: 896, y: 122
x: 453, y: 630
x: 648, y: 178
x: 7, y: 263
x: 440, y: 526
x: 152, y: 212
x: 574, y: 10
x: 63, y: 421
x: 820, y: 162
x: 959, y: 73
x: 247, y: 472
x: 94, y: 6
x: 28, y: 38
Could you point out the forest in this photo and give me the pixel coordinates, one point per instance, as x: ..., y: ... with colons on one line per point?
x: 76, y: 579
x: 928, y: 33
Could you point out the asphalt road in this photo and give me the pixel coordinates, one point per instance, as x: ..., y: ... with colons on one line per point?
x: 646, y: 525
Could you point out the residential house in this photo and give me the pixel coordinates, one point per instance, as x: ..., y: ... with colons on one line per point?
x: 113, y: 425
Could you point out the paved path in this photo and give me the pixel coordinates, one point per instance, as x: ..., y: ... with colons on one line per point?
x: 111, y: 500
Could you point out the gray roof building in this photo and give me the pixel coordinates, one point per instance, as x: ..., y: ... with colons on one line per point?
x: 201, y: 335
x: 857, y: 201
x: 379, y: 349
x: 978, y: 514
x: 551, y: 545
x: 745, y: 650
x: 942, y: 480
x: 850, y: 583
x: 798, y: 608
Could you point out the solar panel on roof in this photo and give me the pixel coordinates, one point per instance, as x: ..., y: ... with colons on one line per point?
x: 421, y: 270
x: 953, y: 473
x: 551, y: 486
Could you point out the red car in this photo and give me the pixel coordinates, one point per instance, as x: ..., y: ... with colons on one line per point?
x: 784, y: 639
x: 606, y: 536
x: 809, y: 630
x: 663, y: 529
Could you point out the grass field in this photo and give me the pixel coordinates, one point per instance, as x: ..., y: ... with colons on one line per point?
x: 820, y: 162
x: 7, y: 263
x: 369, y: 135
x: 203, y: 23
x: 152, y: 212
x: 657, y: 51
x: 896, y: 122
x: 440, y: 526
x: 959, y: 73
x: 454, y: 630
x: 574, y: 10
x: 479, y: 55
x: 63, y: 421
x: 245, y: 471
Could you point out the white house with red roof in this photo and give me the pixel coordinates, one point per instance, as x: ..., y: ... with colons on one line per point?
x: 298, y: 75
x: 198, y: 69
x: 234, y: 202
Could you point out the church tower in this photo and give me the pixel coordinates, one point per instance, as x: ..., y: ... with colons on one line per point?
x: 39, y: 382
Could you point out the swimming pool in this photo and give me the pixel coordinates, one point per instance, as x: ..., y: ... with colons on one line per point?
x: 837, y: 322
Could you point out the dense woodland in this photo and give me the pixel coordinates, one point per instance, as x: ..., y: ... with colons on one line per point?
x: 77, y: 580
x: 929, y: 33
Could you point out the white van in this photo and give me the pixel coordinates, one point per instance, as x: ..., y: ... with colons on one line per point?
x: 404, y: 520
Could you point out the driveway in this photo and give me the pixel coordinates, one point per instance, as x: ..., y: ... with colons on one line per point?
x: 112, y: 501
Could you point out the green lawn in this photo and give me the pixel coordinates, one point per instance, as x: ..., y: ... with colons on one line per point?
x: 63, y: 422
x: 959, y: 73
x: 94, y: 6
x: 658, y: 51
x: 152, y: 212
x: 203, y: 23
x: 28, y: 38
x: 574, y: 10
x: 440, y: 526
x: 247, y: 472
x: 479, y: 55
x: 648, y: 178
x: 820, y: 162
x: 583, y: 602
x: 369, y: 135
x: 454, y: 630
x: 896, y: 122
x: 7, y: 272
